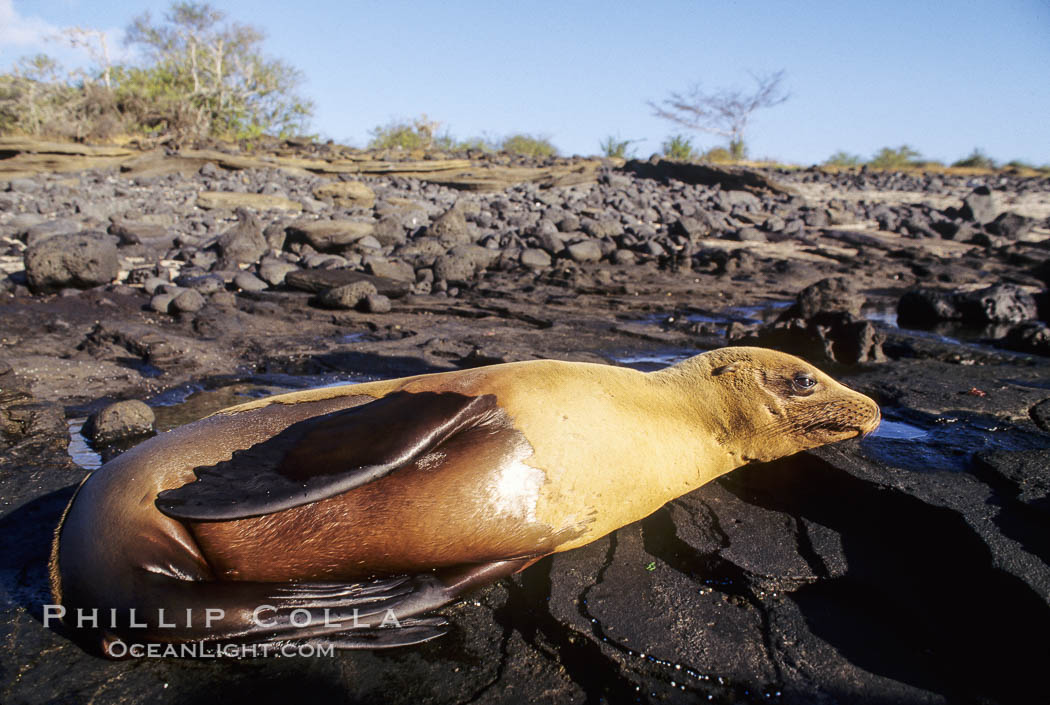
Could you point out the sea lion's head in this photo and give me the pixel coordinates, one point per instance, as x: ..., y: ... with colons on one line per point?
x: 773, y: 404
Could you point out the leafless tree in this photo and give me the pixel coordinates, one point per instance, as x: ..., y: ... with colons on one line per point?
x: 93, y: 41
x: 724, y: 112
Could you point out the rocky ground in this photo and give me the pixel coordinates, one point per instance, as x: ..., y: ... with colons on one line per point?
x: 911, y: 566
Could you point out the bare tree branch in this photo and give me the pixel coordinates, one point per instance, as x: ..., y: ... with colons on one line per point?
x: 725, y: 112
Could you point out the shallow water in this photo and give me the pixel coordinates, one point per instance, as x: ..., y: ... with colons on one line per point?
x: 190, y: 402
x: 951, y: 332
x: 898, y: 431
x: 648, y: 362
x: 718, y: 321
x: 947, y: 443
x: 80, y: 449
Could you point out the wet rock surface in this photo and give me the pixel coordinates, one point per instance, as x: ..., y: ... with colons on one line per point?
x: 908, y: 566
x: 119, y: 421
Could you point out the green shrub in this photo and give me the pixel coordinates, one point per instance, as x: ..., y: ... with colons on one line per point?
x: 397, y: 135
x: 900, y: 158
x: 204, y: 77
x: 718, y: 155
x: 528, y: 145
x: 976, y: 160
x: 55, y: 108
x: 679, y: 148
x: 737, y: 150
x: 474, y: 144
x: 1022, y: 165
x: 418, y: 134
x: 843, y: 159
x: 616, y: 148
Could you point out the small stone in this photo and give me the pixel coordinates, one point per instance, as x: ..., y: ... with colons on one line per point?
x: 1011, y: 226
x: 273, y: 273
x: 1001, y: 303
x: 119, y: 421
x: 244, y: 243
x: 226, y: 299
x: 161, y: 303
x: 367, y: 243
x: 570, y: 223
x: 655, y: 249
x: 377, y: 303
x: 42, y: 231
x: 312, y: 205
x: 275, y: 235
x: 390, y: 230
x: 1040, y: 414
x: 323, y: 261
x: 828, y: 295
x: 189, y: 301
x: 454, y: 268
x: 744, y: 199
x: 1031, y: 337
x: 347, y: 296
x: 346, y: 194
x: 138, y: 233
x: 82, y: 261
x: 255, y: 201
x: 246, y: 281
x: 750, y: 235
x: 481, y: 257
x: 585, y: 251
x: 330, y: 235
x: 399, y: 271
x: 451, y: 228
x: 980, y: 206
x: 603, y: 228
x: 207, y: 284
x: 152, y: 284
x: 535, y: 258
x: 553, y: 242
x: 205, y: 259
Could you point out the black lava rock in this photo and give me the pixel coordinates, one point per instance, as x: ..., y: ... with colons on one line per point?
x: 81, y: 261
x: 119, y: 421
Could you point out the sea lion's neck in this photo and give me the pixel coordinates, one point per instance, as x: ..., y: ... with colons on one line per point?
x: 692, y: 400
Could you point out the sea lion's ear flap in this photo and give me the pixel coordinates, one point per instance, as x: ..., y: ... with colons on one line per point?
x: 325, y: 456
x: 731, y: 367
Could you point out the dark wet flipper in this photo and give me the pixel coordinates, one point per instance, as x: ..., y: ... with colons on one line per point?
x: 408, y: 633
x: 255, y: 612
x: 377, y: 614
x: 326, y: 455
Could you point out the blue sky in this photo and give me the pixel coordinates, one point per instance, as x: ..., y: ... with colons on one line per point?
x: 942, y: 77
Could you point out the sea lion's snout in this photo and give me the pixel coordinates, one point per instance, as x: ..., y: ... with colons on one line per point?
x: 844, y: 417
x: 874, y: 420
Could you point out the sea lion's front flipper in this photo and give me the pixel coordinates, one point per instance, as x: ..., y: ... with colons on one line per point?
x: 375, y: 614
x: 326, y: 455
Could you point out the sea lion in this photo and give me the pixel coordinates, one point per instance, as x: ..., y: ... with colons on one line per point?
x: 340, y: 515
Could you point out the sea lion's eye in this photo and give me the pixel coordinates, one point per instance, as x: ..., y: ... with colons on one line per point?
x: 803, y: 383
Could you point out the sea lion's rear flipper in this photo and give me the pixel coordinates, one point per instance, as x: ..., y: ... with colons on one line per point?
x: 326, y: 455
x: 376, y: 614
x: 430, y: 592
